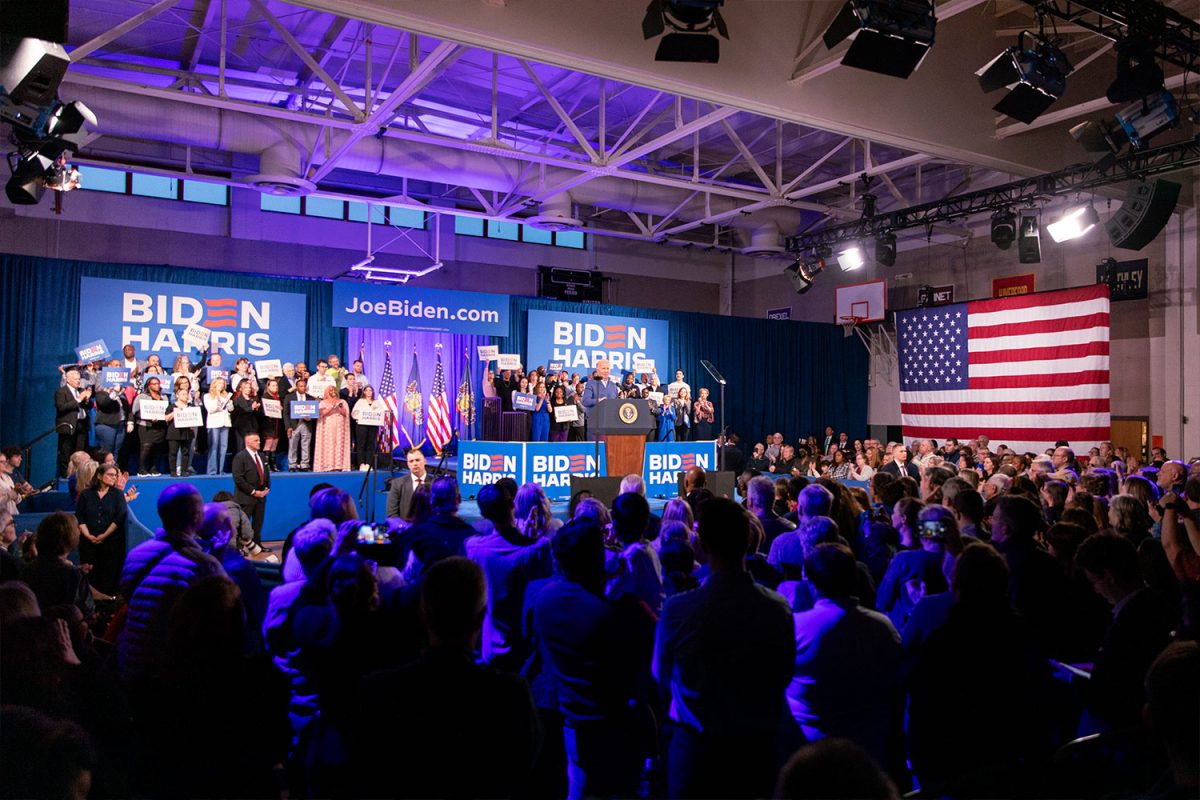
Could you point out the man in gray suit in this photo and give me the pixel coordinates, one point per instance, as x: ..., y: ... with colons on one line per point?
x: 400, y: 496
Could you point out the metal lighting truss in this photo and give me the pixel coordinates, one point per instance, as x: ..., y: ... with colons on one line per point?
x: 1176, y: 38
x: 1024, y: 192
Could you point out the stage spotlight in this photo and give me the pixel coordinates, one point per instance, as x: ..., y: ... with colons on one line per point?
x: 692, y: 23
x: 1029, y: 237
x: 1004, y: 228
x: 890, y: 37
x: 28, y: 181
x: 1138, y: 72
x: 885, y: 249
x: 802, y: 273
x: 852, y: 258
x: 1074, y: 223
x: 1034, y: 73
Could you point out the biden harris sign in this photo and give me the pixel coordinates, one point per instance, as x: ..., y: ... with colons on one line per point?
x: 153, y: 317
x: 580, y: 341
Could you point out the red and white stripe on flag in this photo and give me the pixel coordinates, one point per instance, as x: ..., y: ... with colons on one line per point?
x: 437, y: 425
x: 1025, y: 371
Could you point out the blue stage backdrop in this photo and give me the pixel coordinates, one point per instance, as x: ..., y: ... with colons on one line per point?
x: 372, y: 340
x: 663, y: 461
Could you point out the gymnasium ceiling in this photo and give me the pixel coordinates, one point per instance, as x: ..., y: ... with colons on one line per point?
x: 510, y: 108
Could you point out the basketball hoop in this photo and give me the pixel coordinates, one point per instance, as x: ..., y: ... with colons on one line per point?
x: 849, y: 324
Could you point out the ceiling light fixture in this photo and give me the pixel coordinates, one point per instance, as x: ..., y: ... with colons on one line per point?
x: 1004, y: 228
x: 1074, y: 223
x: 1034, y: 71
x: 890, y: 37
x: 692, y: 23
x: 852, y: 258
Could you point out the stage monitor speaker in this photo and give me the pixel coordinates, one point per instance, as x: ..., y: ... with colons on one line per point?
x: 719, y: 483
x: 604, y: 488
x: 1143, y: 215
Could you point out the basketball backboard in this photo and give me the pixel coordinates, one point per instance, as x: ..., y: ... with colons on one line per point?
x: 867, y: 301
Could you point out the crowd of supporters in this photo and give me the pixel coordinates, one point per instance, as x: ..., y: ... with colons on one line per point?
x: 968, y: 622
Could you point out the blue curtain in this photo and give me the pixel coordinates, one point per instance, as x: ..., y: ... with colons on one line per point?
x: 458, y: 354
x: 791, y: 377
x: 39, y: 329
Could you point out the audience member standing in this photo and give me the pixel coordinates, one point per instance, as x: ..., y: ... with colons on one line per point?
x: 71, y: 403
x: 218, y: 405
x: 724, y: 657
x: 101, y: 511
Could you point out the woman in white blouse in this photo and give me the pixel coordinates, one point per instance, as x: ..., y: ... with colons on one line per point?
x: 217, y: 403
x: 367, y: 433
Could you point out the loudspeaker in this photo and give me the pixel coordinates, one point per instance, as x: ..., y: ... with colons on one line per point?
x: 1029, y: 237
x: 604, y: 489
x: 719, y: 483
x: 1143, y: 215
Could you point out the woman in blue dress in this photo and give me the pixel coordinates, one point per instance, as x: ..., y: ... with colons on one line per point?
x: 541, y: 415
x: 666, y: 420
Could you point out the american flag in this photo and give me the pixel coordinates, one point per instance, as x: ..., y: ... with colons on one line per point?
x: 1025, y: 371
x: 438, y: 426
x: 387, y: 392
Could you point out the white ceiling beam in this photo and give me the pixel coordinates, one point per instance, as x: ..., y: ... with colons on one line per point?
x: 562, y: 114
x: 117, y: 31
x: 816, y: 165
x: 748, y: 157
x: 308, y: 60
x: 445, y: 54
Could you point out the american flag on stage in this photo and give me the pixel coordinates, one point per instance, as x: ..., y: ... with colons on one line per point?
x: 1025, y: 371
x: 387, y: 393
x: 438, y: 426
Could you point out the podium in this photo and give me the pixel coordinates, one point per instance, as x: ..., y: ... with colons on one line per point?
x: 623, y: 424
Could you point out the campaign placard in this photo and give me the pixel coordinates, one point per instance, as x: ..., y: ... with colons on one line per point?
x: 272, y: 409
x: 483, y: 463
x: 188, y: 417
x: 216, y: 372
x: 196, y: 336
x: 268, y: 368
x: 567, y: 413
x: 663, y: 461
x: 508, y: 361
x: 371, y: 417
x: 92, y: 351
x: 153, y: 410
x: 551, y: 465
x: 304, y: 409
x: 645, y: 365
x: 523, y: 401
x: 554, y: 366
x: 488, y: 352
x: 655, y: 397
x: 114, y: 376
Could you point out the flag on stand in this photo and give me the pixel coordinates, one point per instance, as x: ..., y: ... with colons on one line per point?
x: 439, y: 410
x: 1026, y: 371
x: 388, y: 434
x: 465, y: 402
x: 413, y: 402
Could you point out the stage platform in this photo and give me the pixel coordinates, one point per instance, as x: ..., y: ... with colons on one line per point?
x: 287, y: 504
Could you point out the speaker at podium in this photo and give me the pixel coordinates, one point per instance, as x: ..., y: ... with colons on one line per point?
x: 622, y: 425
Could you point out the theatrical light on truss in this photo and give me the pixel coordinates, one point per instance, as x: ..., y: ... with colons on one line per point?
x: 885, y: 249
x: 852, y: 258
x: 692, y: 23
x: 802, y: 273
x: 890, y: 37
x: 1074, y: 223
x: 1138, y: 72
x: 28, y: 181
x: 1034, y: 72
x: 1004, y: 228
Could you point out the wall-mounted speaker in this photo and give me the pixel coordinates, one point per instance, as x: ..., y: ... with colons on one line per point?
x: 1143, y: 215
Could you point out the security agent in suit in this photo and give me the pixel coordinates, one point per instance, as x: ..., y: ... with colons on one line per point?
x: 252, y: 483
x: 400, y: 496
x: 599, y: 388
x: 71, y: 404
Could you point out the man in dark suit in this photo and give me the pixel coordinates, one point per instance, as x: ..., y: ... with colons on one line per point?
x: 400, y: 496
x: 599, y: 388
x: 900, y: 466
x: 252, y: 483
x: 71, y: 404
x: 828, y: 441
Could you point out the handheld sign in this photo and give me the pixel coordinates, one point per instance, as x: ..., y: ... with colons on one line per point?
x: 317, y: 384
x: 555, y: 366
x: 92, y: 351
x: 196, y: 336
x: 567, y: 413
x: 188, y: 417
x: 645, y: 365
x: 369, y: 417
x: 115, y: 376
x: 508, y: 361
x: 268, y: 368
x: 272, y: 409
x: 304, y: 409
x: 217, y: 372
x: 655, y: 397
x: 523, y: 401
x: 154, y: 410
x: 488, y: 352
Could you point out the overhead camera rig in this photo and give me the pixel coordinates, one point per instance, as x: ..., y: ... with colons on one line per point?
x: 1138, y: 164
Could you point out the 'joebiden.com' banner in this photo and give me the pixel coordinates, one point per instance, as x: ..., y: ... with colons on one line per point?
x: 579, y: 341
x: 153, y: 317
